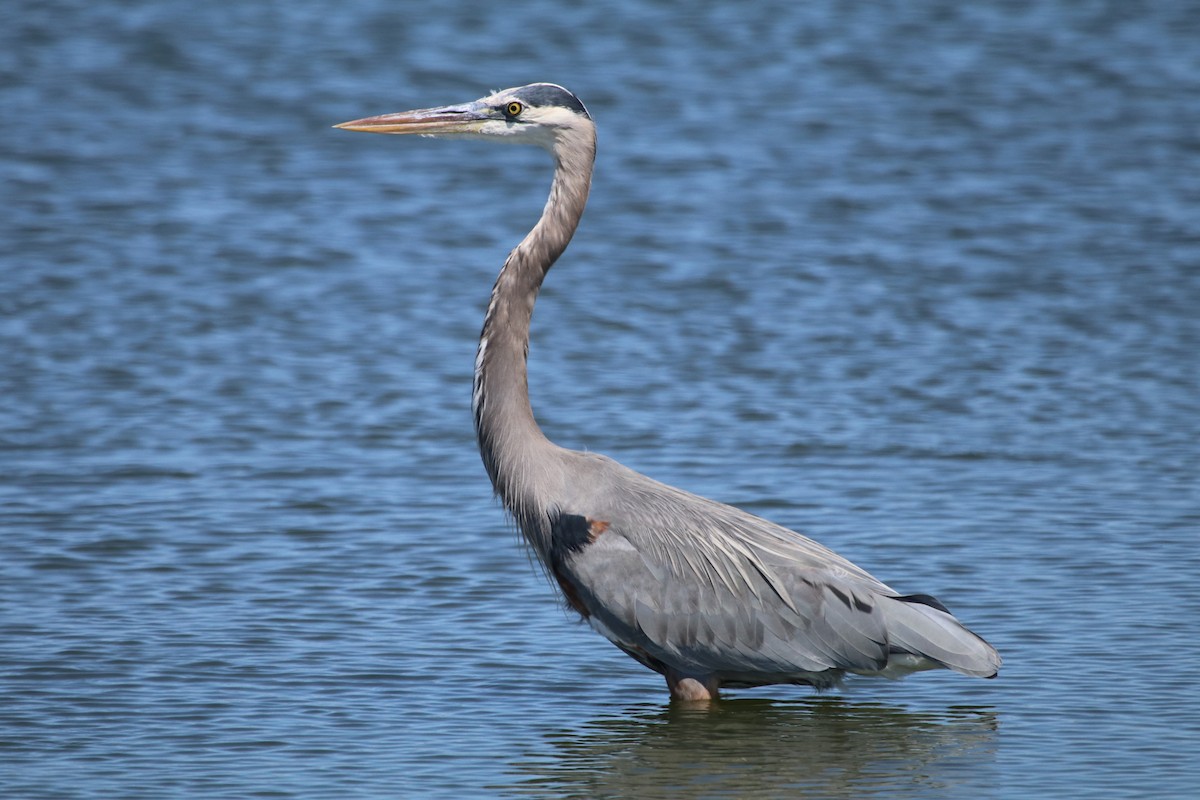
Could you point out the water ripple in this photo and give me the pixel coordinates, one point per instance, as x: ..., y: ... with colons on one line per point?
x: 919, y: 281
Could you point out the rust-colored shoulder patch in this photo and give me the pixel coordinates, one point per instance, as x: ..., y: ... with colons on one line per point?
x: 595, y: 528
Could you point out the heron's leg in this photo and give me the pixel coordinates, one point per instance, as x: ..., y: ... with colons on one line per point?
x: 692, y: 688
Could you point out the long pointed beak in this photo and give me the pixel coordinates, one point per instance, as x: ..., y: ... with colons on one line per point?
x: 429, y: 121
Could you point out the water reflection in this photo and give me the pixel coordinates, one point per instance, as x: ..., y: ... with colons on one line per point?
x: 761, y: 748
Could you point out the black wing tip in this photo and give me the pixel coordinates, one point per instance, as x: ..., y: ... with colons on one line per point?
x: 924, y: 600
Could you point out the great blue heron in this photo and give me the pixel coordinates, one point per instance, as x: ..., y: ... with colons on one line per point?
x: 703, y: 593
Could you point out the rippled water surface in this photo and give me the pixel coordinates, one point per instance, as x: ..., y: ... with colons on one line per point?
x: 921, y: 280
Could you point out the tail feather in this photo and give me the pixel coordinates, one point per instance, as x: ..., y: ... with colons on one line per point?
x: 919, y: 626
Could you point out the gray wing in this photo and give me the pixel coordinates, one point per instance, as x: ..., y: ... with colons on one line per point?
x: 707, y: 588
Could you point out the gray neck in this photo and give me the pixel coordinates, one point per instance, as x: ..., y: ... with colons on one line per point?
x: 516, y: 453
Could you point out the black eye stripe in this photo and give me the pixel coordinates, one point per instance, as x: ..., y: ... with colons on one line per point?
x: 548, y: 94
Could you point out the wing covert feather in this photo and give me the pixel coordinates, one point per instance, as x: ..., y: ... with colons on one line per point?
x: 727, y: 617
x: 684, y: 582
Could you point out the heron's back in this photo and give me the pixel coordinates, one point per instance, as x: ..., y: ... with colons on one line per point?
x: 684, y: 582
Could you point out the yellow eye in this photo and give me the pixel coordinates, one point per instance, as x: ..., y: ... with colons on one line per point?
x: 514, y: 108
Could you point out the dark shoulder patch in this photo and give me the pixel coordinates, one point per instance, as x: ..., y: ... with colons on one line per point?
x: 925, y: 600
x: 551, y: 94
x: 570, y: 533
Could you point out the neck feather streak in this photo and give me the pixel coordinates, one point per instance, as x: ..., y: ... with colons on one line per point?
x: 515, y: 451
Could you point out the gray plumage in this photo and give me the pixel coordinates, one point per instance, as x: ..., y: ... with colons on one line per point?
x: 703, y: 593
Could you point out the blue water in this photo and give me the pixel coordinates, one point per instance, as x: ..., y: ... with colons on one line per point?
x: 921, y: 280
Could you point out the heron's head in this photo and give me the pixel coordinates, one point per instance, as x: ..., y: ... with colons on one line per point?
x: 540, y: 113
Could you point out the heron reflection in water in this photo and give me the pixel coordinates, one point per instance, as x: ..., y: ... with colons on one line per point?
x: 705, y: 594
x: 752, y: 749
